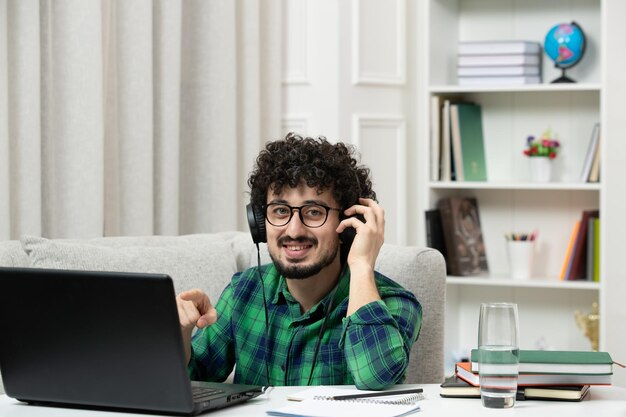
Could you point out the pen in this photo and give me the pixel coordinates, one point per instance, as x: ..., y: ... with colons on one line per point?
x: 378, y: 394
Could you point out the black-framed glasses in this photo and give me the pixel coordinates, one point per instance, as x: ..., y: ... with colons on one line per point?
x: 311, y: 215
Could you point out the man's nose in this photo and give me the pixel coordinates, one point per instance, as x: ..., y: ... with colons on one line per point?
x: 295, y: 225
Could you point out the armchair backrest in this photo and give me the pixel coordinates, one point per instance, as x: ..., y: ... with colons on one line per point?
x: 423, y: 272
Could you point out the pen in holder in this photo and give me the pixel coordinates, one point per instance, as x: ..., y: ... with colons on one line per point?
x: 520, y: 251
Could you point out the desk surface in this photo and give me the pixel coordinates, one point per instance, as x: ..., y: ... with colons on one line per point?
x: 601, y: 401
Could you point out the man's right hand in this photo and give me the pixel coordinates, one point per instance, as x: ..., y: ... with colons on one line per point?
x: 195, y: 309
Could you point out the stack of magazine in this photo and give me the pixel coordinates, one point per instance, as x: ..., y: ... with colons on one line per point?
x: 543, y: 375
x: 510, y: 62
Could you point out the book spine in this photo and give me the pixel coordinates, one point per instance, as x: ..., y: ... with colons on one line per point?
x: 510, y: 70
x: 596, y: 249
x: 435, y: 137
x: 498, y: 47
x: 498, y: 60
x: 503, y: 80
x: 472, y: 142
x: 591, y: 152
x: 455, y: 134
x: 447, y: 225
x: 580, y: 249
x: 568, y: 252
x: 590, y: 248
x: 446, y: 173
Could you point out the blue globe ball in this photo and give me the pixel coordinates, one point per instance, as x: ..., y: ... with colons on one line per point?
x: 565, y: 44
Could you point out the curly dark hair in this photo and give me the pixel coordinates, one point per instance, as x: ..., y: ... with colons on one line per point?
x: 316, y: 162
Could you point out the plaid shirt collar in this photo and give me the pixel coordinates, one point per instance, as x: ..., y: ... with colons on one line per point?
x: 280, y: 292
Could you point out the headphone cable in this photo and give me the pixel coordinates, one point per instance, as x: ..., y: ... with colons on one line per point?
x: 323, y: 327
x: 266, y: 335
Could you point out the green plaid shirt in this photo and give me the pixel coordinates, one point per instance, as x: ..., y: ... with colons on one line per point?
x: 369, y: 349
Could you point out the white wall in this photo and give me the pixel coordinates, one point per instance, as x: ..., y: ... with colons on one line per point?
x: 347, y: 77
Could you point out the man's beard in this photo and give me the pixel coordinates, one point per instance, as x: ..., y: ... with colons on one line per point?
x: 295, y: 271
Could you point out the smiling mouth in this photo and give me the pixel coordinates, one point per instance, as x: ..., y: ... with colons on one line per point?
x: 296, y: 247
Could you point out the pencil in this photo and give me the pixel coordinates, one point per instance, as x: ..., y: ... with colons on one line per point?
x: 378, y: 394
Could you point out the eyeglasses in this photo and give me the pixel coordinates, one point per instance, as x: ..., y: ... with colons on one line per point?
x: 311, y: 215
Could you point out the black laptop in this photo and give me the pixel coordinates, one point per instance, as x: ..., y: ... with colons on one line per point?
x: 100, y: 340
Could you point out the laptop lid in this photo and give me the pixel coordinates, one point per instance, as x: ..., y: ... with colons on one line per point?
x: 98, y: 339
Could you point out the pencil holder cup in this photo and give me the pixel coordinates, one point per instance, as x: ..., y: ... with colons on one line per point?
x: 520, y: 254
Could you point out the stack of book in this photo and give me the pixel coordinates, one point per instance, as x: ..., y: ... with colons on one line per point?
x: 543, y: 374
x: 510, y: 62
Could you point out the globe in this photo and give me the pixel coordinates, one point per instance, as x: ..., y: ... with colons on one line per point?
x: 565, y: 45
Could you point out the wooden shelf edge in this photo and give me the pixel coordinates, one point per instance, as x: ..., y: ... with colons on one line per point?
x: 527, y: 283
x: 514, y: 185
x: 453, y: 89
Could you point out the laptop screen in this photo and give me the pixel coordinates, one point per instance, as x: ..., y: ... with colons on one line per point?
x: 99, y: 339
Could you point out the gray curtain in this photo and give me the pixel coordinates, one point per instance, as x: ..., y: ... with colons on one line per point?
x: 133, y: 117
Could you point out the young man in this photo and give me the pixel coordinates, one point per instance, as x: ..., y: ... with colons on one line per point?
x: 318, y: 314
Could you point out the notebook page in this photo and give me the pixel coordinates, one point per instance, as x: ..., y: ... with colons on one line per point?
x: 323, y: 408
x: 314, y: 402
x: 324, y: 392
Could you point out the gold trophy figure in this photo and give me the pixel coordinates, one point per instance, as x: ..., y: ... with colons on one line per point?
x: 589, y: 323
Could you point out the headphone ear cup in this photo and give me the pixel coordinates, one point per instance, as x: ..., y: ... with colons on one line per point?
x: 256, y: 223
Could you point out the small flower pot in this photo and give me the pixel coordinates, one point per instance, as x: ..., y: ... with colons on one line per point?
x: 540, y: 169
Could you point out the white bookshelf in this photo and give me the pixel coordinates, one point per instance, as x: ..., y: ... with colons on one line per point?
x: 509, y: 201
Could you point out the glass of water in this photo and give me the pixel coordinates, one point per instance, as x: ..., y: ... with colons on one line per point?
x: 498, y: 354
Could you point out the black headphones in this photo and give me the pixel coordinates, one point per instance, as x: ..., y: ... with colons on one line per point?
x: 256, y: 223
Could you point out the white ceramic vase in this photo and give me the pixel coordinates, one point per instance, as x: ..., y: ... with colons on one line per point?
x: 540, y: 168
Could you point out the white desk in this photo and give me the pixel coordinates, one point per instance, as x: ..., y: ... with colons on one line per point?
x: 601, y: 401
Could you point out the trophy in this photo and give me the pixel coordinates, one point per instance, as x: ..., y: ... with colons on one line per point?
x: 589, y: 324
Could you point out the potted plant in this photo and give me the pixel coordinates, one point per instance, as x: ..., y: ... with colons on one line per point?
x: 541, y: 152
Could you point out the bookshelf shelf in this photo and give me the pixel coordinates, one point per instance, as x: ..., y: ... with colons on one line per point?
x: 494, y: 185
x: 536, y: 88
x: 539, y: 283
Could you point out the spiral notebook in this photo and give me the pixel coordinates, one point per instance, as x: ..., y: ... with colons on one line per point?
x: 318, y: 402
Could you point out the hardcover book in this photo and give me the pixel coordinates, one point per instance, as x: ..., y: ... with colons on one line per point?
x: 435, y: 137
x: 558, y: 362
x: 467, y: 142
x: 499, y: 60
x: 579, y: 254
x: 455, y: 387
x: 499, y: 47
x: 500, y: 80
x: 567, y: 262
x: 596, y: 250
x: 465, y: 247
x: 445, y: 170
x: 434, y: 232
x: 591, y: 153
x: 504, y: 70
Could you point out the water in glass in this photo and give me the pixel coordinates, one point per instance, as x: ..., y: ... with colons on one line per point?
x: 498, y: 375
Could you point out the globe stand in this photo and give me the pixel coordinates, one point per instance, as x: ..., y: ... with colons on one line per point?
x: 563, y: 78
